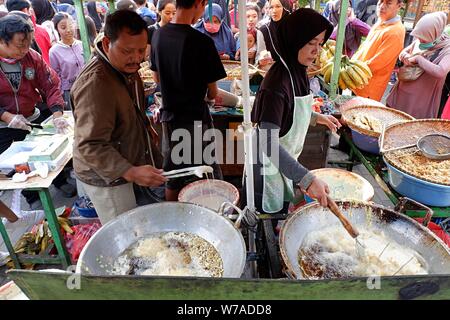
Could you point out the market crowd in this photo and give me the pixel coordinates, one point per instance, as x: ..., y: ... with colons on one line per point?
x: 117, y: 153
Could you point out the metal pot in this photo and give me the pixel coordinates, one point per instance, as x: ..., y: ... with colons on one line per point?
x: 102, y: 250
x: 396, y: 226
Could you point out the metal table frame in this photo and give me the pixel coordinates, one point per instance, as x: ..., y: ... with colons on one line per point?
x: 62, y: 257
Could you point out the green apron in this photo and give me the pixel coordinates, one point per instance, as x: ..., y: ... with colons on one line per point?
x: 276, y: 187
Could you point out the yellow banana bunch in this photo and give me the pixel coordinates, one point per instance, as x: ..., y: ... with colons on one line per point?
x: 341, y: 82
x: 363, y: 66
x: 328, y: 73
x: 358, y: 79
x: 346, y: 77
x: 64, y: 223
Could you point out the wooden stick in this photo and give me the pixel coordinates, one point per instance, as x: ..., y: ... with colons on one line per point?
x: 337, y: 212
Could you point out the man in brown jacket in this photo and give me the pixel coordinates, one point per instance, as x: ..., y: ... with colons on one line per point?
x: 113, y: 148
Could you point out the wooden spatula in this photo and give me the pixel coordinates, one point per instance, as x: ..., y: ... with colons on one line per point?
x: 337, y: 212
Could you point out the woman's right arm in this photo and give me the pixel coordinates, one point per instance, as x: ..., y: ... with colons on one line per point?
x: 290, y: 167
x: 406, y: 53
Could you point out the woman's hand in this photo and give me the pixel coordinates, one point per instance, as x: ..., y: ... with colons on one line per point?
x: 265, y: 61
x: 327, y: 120
x: 415, y: 60
x: 237, y: 56
x: 318, y: 190
x: 404, y: 56
x: 224, y: 57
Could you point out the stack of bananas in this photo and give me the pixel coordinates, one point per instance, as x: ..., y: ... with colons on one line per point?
x: 38, y: 240
x: 354, y: 74
x: 327, y: 53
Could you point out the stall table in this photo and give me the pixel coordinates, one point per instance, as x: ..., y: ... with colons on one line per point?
x: 41, y: 185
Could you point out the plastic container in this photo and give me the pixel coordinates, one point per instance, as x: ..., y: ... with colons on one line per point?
x: 85, y: 212
x: 428, y: 193
x: 210, y: 194
x: 224, y: 85
x: 365, y: 143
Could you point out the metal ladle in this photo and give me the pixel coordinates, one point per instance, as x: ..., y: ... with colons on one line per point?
x: 435, y: 146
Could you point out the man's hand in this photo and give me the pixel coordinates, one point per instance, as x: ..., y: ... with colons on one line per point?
x: 146, y: 176
x: 60, y: 123
x: 19, y: 122
x: 328, y: 120
x: 224, y: 57
x: 318, y: 190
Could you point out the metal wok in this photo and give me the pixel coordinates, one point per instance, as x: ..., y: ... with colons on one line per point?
x: 396, y: 226
x: 102, y: 250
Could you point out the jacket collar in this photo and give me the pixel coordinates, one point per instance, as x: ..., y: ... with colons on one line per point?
x: 67, y: 46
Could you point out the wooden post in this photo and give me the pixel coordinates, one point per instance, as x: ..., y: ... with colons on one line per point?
x: 83, y: 30
x: 338, y: 51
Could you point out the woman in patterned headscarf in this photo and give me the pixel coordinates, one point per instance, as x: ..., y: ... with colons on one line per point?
x: 430, y: 51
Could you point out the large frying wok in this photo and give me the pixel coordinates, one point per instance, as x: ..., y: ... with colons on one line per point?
x: 116, y: 236
x: 396, y: 226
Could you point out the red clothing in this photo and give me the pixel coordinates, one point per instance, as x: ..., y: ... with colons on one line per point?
x: 43, y: 41
x: 37, y: 77
x: 446, y: 112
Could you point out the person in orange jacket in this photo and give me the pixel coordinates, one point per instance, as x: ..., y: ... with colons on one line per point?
x: 382, y: 48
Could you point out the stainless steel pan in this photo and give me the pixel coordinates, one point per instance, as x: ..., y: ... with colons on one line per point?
x: 395, y: 225
x: 116, y: 236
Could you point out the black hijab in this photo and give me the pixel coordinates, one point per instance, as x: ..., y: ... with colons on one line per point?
x: 275, y: 99
x: 43, y: 10
x: 270, y: 30
x: 92, y: 12
x: 294, y: 33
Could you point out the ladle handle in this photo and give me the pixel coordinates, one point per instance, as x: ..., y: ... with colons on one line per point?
x: 404, y: 201
x: 337, y: 212
x: 227, y: 204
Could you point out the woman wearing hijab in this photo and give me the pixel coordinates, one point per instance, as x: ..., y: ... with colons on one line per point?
x: 283, y: 113
x: 278, y: 10
x: 92, y: 12
x: 355, y: 30
x: 431, y: 52
x: 218, y: 31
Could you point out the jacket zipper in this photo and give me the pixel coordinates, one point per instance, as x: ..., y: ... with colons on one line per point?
x: 12, y: 87
x: 149, y: 145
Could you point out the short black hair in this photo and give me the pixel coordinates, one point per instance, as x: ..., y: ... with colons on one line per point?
x: 12, y: 24
x: 123, y: 19
x: 140, y: 2
x: 12, y: 5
